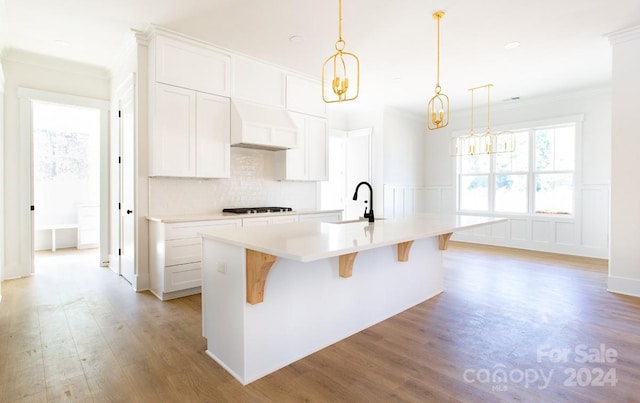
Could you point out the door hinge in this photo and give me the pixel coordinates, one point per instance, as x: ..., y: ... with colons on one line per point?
x: 119, y: 252
x: 33, y: 208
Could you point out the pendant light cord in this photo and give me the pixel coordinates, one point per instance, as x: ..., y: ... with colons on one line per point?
x: 438, y: 57
x: 339, y: 20
x: 489, y: 108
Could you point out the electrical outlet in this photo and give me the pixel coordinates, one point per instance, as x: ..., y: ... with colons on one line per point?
x: 222, y: 267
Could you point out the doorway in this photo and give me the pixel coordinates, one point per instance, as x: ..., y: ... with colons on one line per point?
x: 52, y: 221
x: 65, y: 179
x: 349, y: 164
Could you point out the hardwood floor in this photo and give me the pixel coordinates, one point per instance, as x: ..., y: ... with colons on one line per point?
x: 75, y: 331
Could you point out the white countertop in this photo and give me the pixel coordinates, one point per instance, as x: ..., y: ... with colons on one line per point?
x: 226, y: 216
x: 309, y: 241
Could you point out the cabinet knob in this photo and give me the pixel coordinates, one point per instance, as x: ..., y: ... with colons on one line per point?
x: 129, y: 211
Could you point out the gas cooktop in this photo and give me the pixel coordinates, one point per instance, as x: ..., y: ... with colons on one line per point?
x: 255, y: 210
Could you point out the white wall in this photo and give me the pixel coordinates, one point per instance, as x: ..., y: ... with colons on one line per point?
x: 41, y: 73
x: 586, y: 234
x: 132, y: 64
x: 2, y: 212
x: 624, y: 263
x: 404, y: 143
x: 251, y: 184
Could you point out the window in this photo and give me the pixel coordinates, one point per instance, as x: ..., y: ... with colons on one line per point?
x: 537, y: 178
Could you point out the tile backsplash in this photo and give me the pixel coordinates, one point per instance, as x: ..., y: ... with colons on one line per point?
x: 251, y: 184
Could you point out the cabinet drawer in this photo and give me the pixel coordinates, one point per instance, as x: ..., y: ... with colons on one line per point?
x: 182, y: 277
x: 191, y: 229
x: 181, y: 251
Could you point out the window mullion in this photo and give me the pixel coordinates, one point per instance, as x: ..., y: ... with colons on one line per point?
x: 492, y: 183
x: 532, y: 163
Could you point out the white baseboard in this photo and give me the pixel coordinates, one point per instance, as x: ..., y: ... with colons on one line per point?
x: 574, y: 250
x: 626, y: 286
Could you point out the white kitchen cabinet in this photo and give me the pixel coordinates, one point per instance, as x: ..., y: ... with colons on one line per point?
x: 188, y: 64
x: 258, y: 82
x: 322, y: 217
x: 88, y: 226
x: 175, y: 256
x: 190, y: 133
x: 305, y: 96
x: 175, y: 249
x: 213, y: 136
x: 173, y: 131
x: 308, y: 162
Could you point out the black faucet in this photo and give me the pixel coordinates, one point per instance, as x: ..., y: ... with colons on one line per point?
x: 368, y: 215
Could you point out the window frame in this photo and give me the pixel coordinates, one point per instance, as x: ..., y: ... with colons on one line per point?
x: 530, y: 128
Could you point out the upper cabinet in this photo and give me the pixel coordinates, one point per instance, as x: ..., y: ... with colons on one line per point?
x: 213, y: 159
x: 189, y: 65
x: 193, y: 122
x: 309, y: 161
x: 190, y: 133
x: 189, y: 108
x: 173, y: 132
x: 258, y: 82
x: 305, y: 96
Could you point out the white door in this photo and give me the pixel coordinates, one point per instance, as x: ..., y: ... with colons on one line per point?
x: 349, y: 164
x: 358, y: 169
x: 127, y: 192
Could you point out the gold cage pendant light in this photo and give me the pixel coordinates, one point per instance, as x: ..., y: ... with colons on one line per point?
x: 486, y: 142
x: 438, y: 107
x: 340, y: 72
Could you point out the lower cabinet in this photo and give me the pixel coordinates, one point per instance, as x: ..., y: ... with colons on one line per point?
x: 175, y: 258
x: 175, y: 249
x: 88, y: 226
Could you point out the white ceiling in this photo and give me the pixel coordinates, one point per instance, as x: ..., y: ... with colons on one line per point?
x: 564, y: 46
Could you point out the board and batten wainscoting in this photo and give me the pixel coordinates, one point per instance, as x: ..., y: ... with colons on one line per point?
x: 584, y: 234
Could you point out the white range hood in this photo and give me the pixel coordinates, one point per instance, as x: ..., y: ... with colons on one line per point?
x: 263, y: 127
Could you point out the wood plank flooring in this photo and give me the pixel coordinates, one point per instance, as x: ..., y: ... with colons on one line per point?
x: 77, y: 332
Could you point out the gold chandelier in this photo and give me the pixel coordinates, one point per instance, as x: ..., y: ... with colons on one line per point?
x: 486, y: 142
x: 438, y: 107
x: 341, y: 86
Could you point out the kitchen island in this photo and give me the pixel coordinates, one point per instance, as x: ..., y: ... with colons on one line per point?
x: 273, y: 295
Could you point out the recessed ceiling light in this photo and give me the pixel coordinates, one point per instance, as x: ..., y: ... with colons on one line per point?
x: 296, y: 39
x: 512, y: 45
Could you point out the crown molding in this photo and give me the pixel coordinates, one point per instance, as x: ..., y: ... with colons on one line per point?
x: 624, y: 35
x: 35, y: 59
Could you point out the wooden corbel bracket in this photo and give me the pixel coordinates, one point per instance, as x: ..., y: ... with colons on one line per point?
x: 443, y: 241
x: 403, y: 251
x: 258, y: 266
